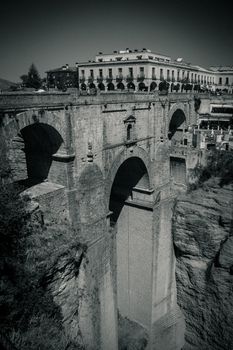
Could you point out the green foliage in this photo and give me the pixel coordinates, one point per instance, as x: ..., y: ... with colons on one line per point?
x: 219, y: 165
x: 32, y: 79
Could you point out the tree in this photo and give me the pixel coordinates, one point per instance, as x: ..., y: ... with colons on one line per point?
x: 32, y: 79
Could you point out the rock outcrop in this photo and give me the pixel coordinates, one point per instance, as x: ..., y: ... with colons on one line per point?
x: 203, y: 240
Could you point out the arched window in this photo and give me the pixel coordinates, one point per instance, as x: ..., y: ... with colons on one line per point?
x: 120, y: 86
x: 111, y: 87
x: 129, y: 128
x: 101, y: 86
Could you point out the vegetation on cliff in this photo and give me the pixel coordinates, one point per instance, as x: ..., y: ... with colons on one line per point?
x: 219, y: 164
x: 29, y: 255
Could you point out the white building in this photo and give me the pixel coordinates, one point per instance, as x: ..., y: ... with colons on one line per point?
x: 141, y: 70
x: 144, y: 70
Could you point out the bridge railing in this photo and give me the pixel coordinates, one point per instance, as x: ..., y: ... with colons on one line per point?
x: 22, y: 99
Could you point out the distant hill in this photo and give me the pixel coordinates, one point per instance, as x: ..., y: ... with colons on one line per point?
x: 6, y: 84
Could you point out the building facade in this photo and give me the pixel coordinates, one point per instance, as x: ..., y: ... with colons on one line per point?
x: 146, y: 71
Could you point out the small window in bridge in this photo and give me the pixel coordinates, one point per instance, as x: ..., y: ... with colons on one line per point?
x: 129, y: 128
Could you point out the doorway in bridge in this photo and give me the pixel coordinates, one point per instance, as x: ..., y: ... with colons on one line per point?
x: 178, y: 170
x: 177, y: 127
x: 33, y: 149
x: 131, y: 220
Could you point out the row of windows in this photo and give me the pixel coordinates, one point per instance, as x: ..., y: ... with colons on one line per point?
x: 226, y: 81
x: 164, y: 74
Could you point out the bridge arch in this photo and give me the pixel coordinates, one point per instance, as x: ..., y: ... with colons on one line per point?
x: 118, y: 161
x: 32, y: 140
x: 177, y: 122
x: 131, y: 221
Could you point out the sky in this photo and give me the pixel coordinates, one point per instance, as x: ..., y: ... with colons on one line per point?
x: 51, y: 33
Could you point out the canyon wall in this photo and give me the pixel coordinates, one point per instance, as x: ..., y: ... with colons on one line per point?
x: 203, y: 240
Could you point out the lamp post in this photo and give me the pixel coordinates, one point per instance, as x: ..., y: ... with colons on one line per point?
x: 77, y: 76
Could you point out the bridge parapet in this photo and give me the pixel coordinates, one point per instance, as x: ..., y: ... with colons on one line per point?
x: 22, y: 100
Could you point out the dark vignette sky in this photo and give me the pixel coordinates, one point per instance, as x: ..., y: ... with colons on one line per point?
x: 52, y: 33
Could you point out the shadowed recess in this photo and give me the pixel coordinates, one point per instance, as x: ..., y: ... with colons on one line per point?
x: 131, y: 173
x: 176, y: 122
x: 41, y: 142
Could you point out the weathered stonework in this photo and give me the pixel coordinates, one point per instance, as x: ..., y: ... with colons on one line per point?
x: 202, y: 231
x: 95, y: 143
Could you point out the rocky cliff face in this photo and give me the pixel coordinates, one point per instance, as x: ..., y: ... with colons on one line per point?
x: 203, y: 240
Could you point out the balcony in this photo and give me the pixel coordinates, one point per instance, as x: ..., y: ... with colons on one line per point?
x: 109, y: 79
x: 129, y: 78
x: 100, y: 79
x: 140, y: 77
x: 119, y: 78
x: 90, y: 79
x: 82, y: 80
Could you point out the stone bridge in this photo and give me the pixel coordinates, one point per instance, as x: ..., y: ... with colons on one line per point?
x: 116, y: 160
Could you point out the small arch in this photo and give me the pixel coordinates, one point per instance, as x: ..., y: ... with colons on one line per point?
x: 83, y: 87
x: 131, y: 86
x: 101, y: 86
x: 110, y: 87
x: 92, y: 86
x: 120, y: 86
x: 153, y: 86
x: 141, y: 86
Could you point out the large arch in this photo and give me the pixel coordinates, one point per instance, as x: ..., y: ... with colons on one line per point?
x: 31, y: 153
x: 177, y: 121
x: 118, y: 161
x: 33, y: 137
x: 131, y: 173
x: 131, y: 207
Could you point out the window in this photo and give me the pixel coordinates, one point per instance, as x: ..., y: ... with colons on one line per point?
x: 101, y: 73
x: 161, y: 73
x: 100, y: 59
x: 119, y: 70
x: 82, y: 72
x: 91, y: 73
x: 129, y: 128
x: 227, y: 81
x: 141, y: 71
x: 168, y: 74
x: 220, y: 81
x: 178, y: 75
x: 131, y: 72
x: 153, y: 72
x: 110, y: 72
